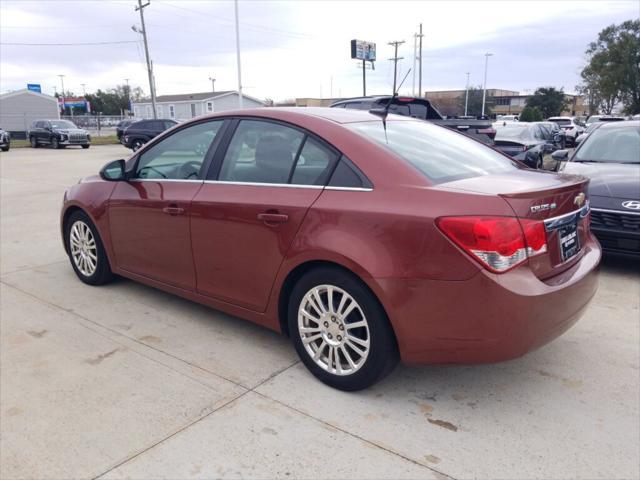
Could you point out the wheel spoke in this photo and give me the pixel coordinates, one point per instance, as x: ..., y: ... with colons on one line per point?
x: 332, y: 352
x: 309, y: 316
x: 354, y: 347
x: 318, y: 353
x: 311, y: 338
x: 316, y: 296
x: 347, y: 356
x: 364, y: 343
x: 351, y: 305
x: 361, y: 323
x: 309, y: 329
x: 330, y: 298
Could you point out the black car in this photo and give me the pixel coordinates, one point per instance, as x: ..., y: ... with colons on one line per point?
x: 554, y: 133
x: 527, y: 142
x: 610, y: 157
x: 139, y: 133
x: 122, y: 126
x: 57, y: 134
x: 415, y: 107
x: 5, y: 140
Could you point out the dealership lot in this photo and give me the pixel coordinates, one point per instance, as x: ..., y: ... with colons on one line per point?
x: 124, y: 381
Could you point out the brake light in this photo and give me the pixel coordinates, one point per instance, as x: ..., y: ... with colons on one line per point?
x: 497, y: 243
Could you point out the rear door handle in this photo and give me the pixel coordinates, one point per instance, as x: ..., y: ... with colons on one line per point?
x: 273, y: 218
x: 173, y: 210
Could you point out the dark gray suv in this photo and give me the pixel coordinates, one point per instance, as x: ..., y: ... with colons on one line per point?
x: 57, y: 134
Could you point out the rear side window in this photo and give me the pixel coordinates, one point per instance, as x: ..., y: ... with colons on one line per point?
x: 261, y: 152
x: 440, y: 154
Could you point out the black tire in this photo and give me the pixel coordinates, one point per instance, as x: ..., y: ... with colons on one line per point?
x: 6, y: 149
x: 383, y: 351
x: 136, y: 144
x: 85, y: 146
x: 55, y: 143
x: 540, y: 162
x: 33, y: 141
x: 102, y: 273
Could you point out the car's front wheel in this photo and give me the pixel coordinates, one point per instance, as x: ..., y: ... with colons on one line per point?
x: 86, y: 251
x: 340, y: 330
x: 33, y: 142
x: 136, y: 145
x: 55, y: 143
x: 86, y: 146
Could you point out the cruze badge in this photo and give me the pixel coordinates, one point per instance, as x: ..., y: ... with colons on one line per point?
x: 631, y: 204
x: 579, y: 200
x: 542, y: 208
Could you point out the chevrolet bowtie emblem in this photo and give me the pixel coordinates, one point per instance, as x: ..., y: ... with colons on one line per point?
x: 579, y: 200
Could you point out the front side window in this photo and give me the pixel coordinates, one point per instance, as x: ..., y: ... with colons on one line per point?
x: 440, y: 154
x: 261, y: 152
x: 179, y: 156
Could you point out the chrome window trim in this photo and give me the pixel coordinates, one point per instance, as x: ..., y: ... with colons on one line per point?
x: 622, y: 212
x: 259, y: 184
x: 349, y: 189
x: 164, y: 180
x: 561, y: 220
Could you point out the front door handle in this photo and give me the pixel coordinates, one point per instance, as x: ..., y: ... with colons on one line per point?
x: 173, y: 210
x: 273, y: 218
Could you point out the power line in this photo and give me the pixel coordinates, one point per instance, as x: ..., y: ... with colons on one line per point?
x: 66, y: 44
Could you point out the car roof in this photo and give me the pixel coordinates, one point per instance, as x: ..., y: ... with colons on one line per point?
x: 292, y: 114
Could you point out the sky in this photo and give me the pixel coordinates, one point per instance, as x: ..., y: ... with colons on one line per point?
x: 299, y: 48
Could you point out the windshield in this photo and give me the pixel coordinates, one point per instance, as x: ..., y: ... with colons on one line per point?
x: 513, y: 132
x: 62, y: 124
x: 440, y: 154
x: 611, y: 145
x: 560, y: 121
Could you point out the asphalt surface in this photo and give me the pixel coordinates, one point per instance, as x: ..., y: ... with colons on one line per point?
x: 124, y: 381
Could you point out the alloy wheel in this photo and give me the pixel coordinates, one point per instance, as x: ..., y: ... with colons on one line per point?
x: 334, y: 330
x: 84, y: 249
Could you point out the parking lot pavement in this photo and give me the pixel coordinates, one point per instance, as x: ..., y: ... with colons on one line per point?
x: 124, y: 381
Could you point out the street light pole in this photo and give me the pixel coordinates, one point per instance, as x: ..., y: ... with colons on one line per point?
x: 484, y: 87
x: 213, y: 90
x: 466, y: 97
x: 62, y: 81
x: 140, y: 8
x: 235, y: 4
x: 128, y: 96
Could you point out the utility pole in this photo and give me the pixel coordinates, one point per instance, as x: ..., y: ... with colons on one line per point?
x: 63, y: 105
x: 213, y: 93
x: 466, y: 97
x: 140, y: 8
x: 395, y: 59
x: 415, y: 57
x: 484, y: 87
x: 128, y: 96
x: 420, y: 35
x: 235, y: 3
x: 364, y: 77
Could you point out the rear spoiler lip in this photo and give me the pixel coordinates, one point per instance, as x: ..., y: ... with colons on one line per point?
x: 578, y: 181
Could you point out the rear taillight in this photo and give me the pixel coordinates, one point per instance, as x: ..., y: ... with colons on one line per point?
x: 498, y: 243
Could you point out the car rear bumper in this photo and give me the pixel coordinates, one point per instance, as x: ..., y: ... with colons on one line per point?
x: 488, y: 318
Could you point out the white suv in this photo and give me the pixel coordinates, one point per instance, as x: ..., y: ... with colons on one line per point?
x: 571, y: 128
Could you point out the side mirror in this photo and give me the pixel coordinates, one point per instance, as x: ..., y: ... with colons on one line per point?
x: 560, y: 155
x: 113, y: 171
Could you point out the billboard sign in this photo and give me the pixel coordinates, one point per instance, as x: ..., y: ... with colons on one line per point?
x: 34, y: 87
x: 75, y: 102
x: 362, y: 50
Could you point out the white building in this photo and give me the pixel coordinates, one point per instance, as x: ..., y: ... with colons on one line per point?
x: 20, y: 108
x: 190, y: 105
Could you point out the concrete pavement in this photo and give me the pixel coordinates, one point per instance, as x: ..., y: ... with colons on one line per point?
x: 124, y: 381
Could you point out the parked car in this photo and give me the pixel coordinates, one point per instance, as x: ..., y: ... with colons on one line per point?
x: 362, y: 239
x: 5, y: 140
x: 554, y: 134
x: 139, y: 133
x: 570, y: 126
x: 590, y: 128
x: 480, y: 129
x: 603, y: 118
x: 610, y: 157
x: 122, y: 126
x: 57, y: 134
x: 524, y: 141
x: 507, y: 118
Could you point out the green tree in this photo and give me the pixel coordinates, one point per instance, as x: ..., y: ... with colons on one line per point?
x: 113, y: 101
x: 531, y: 114
x: 474, y: 107
x: 613, y: 71
x: 549, y: 101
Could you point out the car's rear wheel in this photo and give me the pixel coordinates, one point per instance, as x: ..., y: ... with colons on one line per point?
x: 33, y: 141
x: 137, y: 144
x: 86, y: 251
x: 86, y: 146
x: 540, y: 162
x: 340, y: 330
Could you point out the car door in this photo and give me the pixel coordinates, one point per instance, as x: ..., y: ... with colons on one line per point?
x: 245, y: 216
x: 44, y: 132
x: 149, y: 214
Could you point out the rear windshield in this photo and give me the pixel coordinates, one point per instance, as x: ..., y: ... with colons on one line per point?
x: 561, y: 121
x: 442, y: 155
x: 513, y: 132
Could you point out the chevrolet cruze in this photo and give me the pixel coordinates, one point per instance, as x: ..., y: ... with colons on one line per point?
x: 365, y: 238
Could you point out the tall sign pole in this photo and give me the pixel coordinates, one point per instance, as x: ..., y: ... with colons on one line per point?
x: 63, y: 105
x: 484, y: 87
x: 238, y: 55
x: 365, y: 51
x: 140, y: 8
x: 364, y: 77
x: 415, y: 57
x: 420, y: 35
x: 466, y: 97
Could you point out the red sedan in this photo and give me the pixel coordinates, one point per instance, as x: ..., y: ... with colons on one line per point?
x: 363, y: 240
